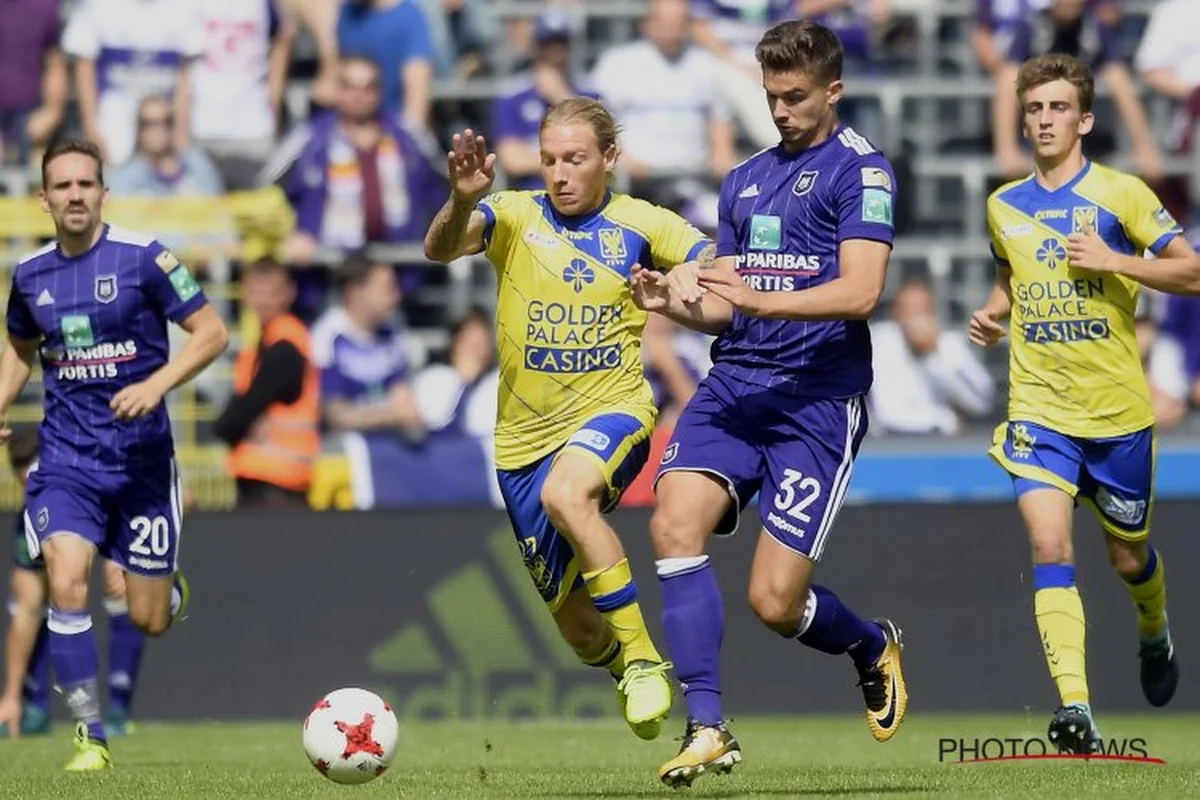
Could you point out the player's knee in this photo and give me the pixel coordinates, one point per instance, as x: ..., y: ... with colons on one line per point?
x: 68, y: 590
x: 1128, y: 559
x: 566, y: 503
x: 779, y: 613
x: 675, y: 533
x: 1052, y: 549
x: 151, y: 624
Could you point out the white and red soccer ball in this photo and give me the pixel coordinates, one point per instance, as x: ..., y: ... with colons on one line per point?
x: 351, y: 735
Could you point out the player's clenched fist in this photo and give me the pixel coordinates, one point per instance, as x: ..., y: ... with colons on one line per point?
x: 136, y: 400
x: 985, y: 329
x: 471, y: 167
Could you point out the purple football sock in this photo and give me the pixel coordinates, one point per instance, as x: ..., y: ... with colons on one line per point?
x: 693, y: 620
x: 73, y: 651
x: 125, y: 645
x: 831, y: 627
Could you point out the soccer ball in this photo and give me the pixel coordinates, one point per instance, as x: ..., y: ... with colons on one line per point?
x: 350, y: 736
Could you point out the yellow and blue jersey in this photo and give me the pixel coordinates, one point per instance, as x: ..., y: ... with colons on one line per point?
x: 1073, y: 363
x: 568, y: 332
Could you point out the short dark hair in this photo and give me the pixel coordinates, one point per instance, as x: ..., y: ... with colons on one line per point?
x: 473, y: 314
x: 1040, y: 70
x: 801, y: 46
x: 65, y: 146
x: 355, y: 270
x: 22, y: 448
x: 266, y: 266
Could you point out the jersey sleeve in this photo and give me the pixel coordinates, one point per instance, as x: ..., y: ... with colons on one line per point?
x: 997, y: 242
x: 726, y: 234
x: 673, y: 240
x: 501, y: 212
x: 170, y: 284
x: 81, y: 39
x: 21, y: 324
x: 1146, y: 222
x: 864, y: 196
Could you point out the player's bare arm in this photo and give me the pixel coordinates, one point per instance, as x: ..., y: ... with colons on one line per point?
x: 985, y: 329
x: 457, y: 229
x: 208, y: 339
x: 28, y: 590
x: 1176, y: 270
x: 16, y: 365
x: 852, y: 295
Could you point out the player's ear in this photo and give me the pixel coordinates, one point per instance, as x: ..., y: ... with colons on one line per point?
x: 43, y: 201
x: 833, y: 92
x: 1086, y: 123
x: 610, y: 157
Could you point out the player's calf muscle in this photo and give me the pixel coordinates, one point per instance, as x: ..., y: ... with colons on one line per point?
x: 1128, y: 558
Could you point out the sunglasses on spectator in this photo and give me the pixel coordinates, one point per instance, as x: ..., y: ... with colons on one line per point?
x: 157, y: 122
x: 368, y: 86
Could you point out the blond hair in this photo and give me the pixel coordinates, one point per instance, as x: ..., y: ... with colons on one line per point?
x: 584, y: 111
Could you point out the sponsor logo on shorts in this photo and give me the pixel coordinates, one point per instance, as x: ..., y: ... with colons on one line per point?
x: 588, y: 437
x: 147, y: 563
x: 1126, y: 512
x: 785, y: 526
x: 1022, y: 441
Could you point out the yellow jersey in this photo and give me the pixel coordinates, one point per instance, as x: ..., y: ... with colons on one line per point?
x: 568, y: 332
x: 1074, y: 365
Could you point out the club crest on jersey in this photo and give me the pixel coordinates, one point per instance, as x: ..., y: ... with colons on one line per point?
x: 106, y: 288
x: 612, y: 244
x: 805, y: 182
x: 1084, y: 215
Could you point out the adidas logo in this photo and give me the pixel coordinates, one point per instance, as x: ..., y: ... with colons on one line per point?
x: 750, y: 192
x: 45, y: 298
x: 487, y: 649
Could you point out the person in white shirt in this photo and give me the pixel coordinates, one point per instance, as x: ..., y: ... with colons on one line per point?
x: 126, y: 50
x: 676, y: 124
x: 926, y: 380
x: 238, y: 85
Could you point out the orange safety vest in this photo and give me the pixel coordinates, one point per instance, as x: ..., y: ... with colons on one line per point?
x: 284, y: 443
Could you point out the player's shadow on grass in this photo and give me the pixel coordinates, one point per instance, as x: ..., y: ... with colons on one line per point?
x: 731, y: 791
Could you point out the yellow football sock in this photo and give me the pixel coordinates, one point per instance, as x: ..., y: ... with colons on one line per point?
x: 1149, y: 595
x: 608, y: 655
x: 615, y: 596
x: 1060, y: 621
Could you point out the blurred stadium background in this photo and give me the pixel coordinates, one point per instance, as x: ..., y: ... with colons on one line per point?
x: 283, y: 144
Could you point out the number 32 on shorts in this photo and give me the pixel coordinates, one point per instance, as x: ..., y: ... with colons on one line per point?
x: 152, y: 536
x: 796, y: 493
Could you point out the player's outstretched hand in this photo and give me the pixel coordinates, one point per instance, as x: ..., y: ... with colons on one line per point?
x: 471, y: 167
x: 10, y: 715
x: 136, y: 400
x: 684, y: 280
x: 723, y: 280
x: 651, y: 289
x: 1088, y: 250
x: 985, y: 330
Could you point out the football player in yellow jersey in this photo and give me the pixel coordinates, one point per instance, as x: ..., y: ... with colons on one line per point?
x: 575, y: 411
x: 1070, y: 243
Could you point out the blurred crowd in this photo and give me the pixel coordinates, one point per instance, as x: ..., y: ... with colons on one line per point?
x: 344, y: 108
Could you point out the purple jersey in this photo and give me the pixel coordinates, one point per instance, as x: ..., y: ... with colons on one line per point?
x: 101, y: 318
x: 783, y: 216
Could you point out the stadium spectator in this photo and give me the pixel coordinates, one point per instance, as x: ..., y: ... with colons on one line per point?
x: 517, y: 115
x: 994, y: 27
x: 462, y: 33
x: 355, y: 176
x: 125, y: 50
x: 1088, y: 31
x: 395, y: 34
x: 33, y: 77
x: 1164, y: 361
x: 1168, y: 59
x: 319, y: 19
x: 459, y: 396
x: 272, y: 421
x: 238, y: 85
x: 363, y: 355
x: 927, y: 380
x: 677, y: 136
x: 158, y: 167
x: 730, y: 29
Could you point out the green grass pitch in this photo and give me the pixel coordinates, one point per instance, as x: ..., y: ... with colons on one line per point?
x: 785, y: 757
